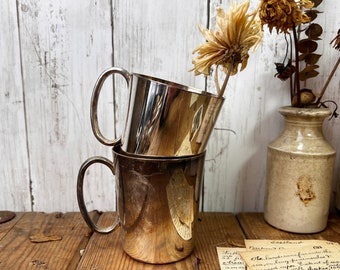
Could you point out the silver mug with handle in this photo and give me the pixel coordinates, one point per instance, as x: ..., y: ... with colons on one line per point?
x: 163, y: 118
x: 157, y: 202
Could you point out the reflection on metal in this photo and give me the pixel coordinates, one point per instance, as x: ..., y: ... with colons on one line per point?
x: 157, y: 204
x: 181, y: 203
x: 163, y: 119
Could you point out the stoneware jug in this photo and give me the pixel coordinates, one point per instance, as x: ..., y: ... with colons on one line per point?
x: 300, y: 166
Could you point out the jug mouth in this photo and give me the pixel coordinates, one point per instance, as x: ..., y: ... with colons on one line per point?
x: 118, y: 151
x: 172, y: 84
x: 312, y: 111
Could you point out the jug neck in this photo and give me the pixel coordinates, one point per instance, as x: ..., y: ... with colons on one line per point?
x: 304, y: 121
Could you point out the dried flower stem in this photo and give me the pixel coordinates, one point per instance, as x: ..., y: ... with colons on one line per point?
x: 226, y: 79
x: 217, y: 84
x: 291, y: 81
x: 328, y: 80
x: 297, y: 77
x: 224, y: 85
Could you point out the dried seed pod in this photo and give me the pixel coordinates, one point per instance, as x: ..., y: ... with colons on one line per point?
x: 307, y: 97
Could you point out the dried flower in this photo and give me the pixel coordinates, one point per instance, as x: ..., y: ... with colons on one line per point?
x: 284, y: 15
x: 228, y: 47
x: 336, y: 41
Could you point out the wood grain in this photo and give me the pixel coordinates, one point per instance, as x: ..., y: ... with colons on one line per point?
x: 63, y: 53
x: 255, y: 227
x: 18, y: 252
x: 14, y: 165
x: 7, y: 226
x: 80, y: 249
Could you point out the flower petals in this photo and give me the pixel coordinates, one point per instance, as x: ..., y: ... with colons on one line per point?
x: 237, y: 32
x: 284, y: 14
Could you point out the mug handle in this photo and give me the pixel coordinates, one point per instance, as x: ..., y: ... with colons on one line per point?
x: 80, y: 194
x: 94, y: 103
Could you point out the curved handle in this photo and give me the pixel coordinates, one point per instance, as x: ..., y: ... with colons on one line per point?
x: 94, y: 103
x: 80, y: 195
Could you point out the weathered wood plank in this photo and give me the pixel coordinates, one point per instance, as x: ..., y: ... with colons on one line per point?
x: 17, y: 251
x: 155, y: 38
x: 216, y: 230
x: 14, y: 170
x: 7, y: 226
x: 255, y: 227
x: 235, y: 166
x: 213, y: 229
x: 64, y: 45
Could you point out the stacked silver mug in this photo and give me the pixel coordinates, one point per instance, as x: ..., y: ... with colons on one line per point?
x: 158, y: 165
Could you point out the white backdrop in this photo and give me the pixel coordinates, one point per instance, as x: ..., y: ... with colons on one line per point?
x: 52, y: 52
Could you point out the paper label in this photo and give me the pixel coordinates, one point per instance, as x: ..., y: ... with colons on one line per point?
x: 230, y: 259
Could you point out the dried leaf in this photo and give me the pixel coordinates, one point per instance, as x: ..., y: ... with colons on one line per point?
x: 312, y: 58
x: 312, y: 14
x: 314, y: 31
x: 308, y: 72
x: 336, y: 41
x: 284, y: 72
x: 307, y: 46
x: 310, y: 68
x: 316, y: 3
x: 41, y: 238
x: 309, y: 58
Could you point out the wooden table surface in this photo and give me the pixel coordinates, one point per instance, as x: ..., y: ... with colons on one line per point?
x: 63, y: 241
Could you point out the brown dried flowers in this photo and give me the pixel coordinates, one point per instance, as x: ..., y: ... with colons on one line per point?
x: 295, y: 17
x: 238, y: 31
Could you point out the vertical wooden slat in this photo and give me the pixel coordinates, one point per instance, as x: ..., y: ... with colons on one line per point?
x: 14, y: 172
x: 235, y: 166
x: 65, y: 45
x: 156, y: 38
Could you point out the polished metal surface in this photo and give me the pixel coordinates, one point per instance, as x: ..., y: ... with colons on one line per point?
x: 158, y: 202
x: 94, y: 103
x: 164, y: 118
x: 80, y: 194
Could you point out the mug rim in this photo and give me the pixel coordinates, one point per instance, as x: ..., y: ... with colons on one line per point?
x: 175, y: 84
x: 117, y: 150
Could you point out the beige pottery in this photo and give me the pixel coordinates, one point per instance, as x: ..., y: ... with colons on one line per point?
x: 300, y: 165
